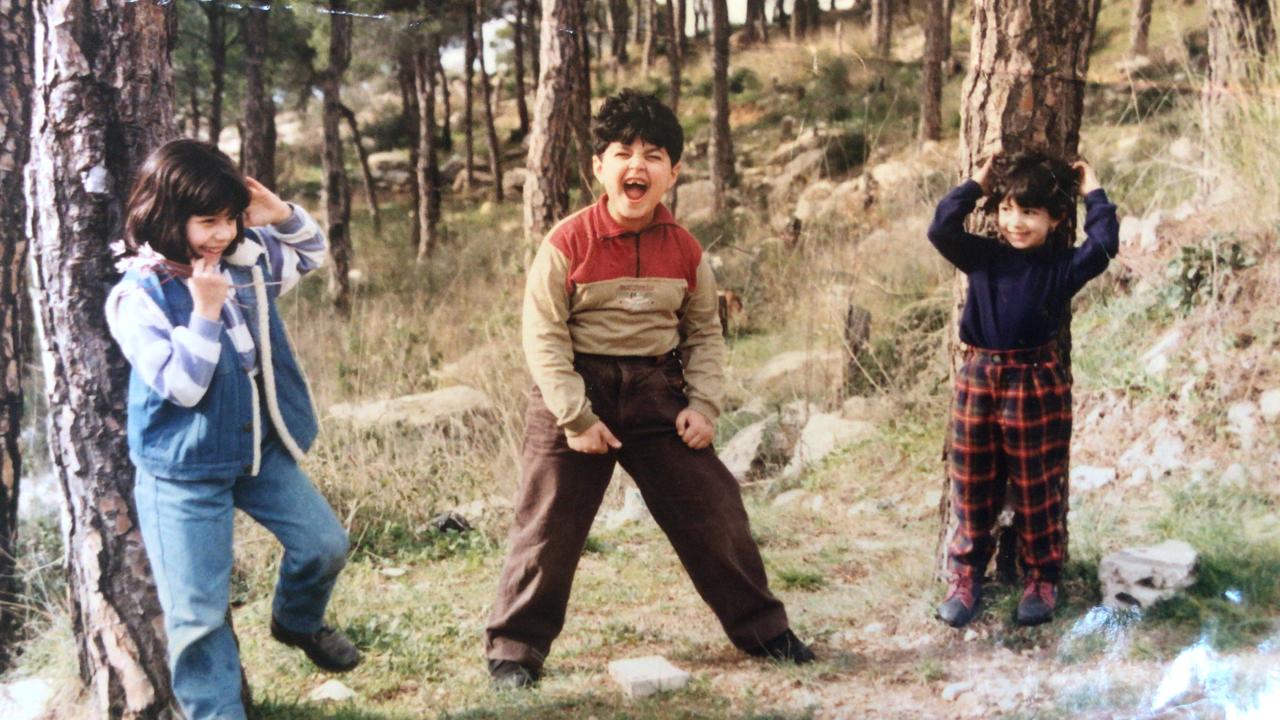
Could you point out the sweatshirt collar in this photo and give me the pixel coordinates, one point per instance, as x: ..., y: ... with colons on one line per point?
x: 609, y: 228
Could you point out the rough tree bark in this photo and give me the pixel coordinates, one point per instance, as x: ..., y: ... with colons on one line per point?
x: 217, y: 45
x: 546, y: 188
x: 517, y: 41
x: 427, y: 169
x: 935, y: 27
x: 16, y: 33
x: 1139, y: 27
x: 882, y: 26
x: 365, y: 173
x: 103, y: 99
x: 1024, y: 90
x: 468, y: 83
x: 722, y: 172
x: 337, y: 189
x: 486, y: 89
x: 258, y: 151
x: 406, y: 73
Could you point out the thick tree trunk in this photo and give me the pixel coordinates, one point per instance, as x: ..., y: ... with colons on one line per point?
x: 427, y: 168
x: 935, y: 27
x: 407, y: 75
x: 882, y: 26
x: 619, y: 26
x: 722, y: 172
x: 799, y: 19
x: 546, y: 188
x: 486, y: 89
x: 446, y: 121
x: 517, y: 40
x: 1025, y: 90
x: 468, y: 83
x: 337, y: 189
x: 258, y: 149
x: 1139, y: 27
x: 217, y: 46
x: 641, y: 17
x: 103, y: 100
x: 756, y: 27
x: 682, y: 19
x: 16, y: 34
x: 365, y: 173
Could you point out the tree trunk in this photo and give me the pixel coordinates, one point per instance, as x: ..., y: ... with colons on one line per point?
x: 674, y: 63
x: 16, y: 34
x: 468, y: 82
x: 619, y: 26
x: 407, y: 75
x: 427, y: 168
x: 582, y: 114
x: 946, y: 36
x: 935, y: 26
x: 799, y: 19
x: 882, y: 26
x: 756, y: 27
x: 218, y: 66
x: 486, y: 88
x: 337, y: 189
x: 522, y: 106
x: 546, y: 187
x: 650, y: 34
x: 1025, y: 90
x: 1139, y: 27
x: 446, y: 117
x: 722, y: 173
x: 1241, y: 33
x: 682, y: 19
x: 193, y: 80
x: 366, y: 175
x: 258, y: 149
x: 534, y: 12
x: 103, y: 100
x: 637, y: 27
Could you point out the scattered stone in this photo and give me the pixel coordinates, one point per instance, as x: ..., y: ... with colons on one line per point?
x: 873, y: 629
x: 956, y: 689
x: 1235, y: 476
x: 823, y: 435
x: 1140, y: 476
x: 815, y: 504
x: 633, y: 510
x: 743, y: 454
x: 790, y: 497
x: 331, y: 691
x: 1183, y: 150
x: 970, y: 635
x: 393, y: 572
x: 1269, y: 404
x: 452, y: 408
x: 1156, y: 360
x: 642, y: 677
x: 1140, y: 577
x: 812, y: 200
x: 513, y: 180
x: 1085, y: 477
x: 1242, y: 421
x: 25, y: 699
x: 697, y: 199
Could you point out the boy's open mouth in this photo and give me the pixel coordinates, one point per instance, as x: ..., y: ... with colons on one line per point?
x: 634, y: 189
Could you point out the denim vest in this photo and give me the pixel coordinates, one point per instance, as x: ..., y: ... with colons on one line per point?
x: 221, y: 436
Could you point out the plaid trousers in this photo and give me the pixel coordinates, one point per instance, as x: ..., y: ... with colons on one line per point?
x: 1010, y: 423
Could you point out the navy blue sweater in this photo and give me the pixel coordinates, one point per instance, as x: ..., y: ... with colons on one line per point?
x: 1017, y: 298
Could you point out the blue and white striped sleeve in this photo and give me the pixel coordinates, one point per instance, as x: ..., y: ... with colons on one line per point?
x: 294, y: 248
x: 176, y: 362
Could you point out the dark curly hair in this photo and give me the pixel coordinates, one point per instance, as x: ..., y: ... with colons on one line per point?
x: 180, y: 179
x: 632, y: 114
x: 1036, y: 180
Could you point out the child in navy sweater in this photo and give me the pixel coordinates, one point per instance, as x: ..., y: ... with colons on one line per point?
x: 1011, y: 417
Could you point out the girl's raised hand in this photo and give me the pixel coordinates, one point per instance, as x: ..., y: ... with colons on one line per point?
x: 1088, y: 177
x: 982, y: 175
x: 208, y: 288
x: 265, y: 207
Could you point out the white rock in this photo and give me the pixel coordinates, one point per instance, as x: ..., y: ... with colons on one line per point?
x: 1139, y: 477
x: 633, y: 510
x: 742, y: 454
x: 25, y: 699
x: 823, y: 435
x: 873, y: 629
x: 331, y: 691
x: 1235, y: 476
x: 1140, y: 577
x: 1242, y: 421
x: 1085, y: 477
x: 811, y: 200
x: 1156, y: 359
x: 970, y: 635
x: 815, y: 504
x: 1182, y: 149
x: 642, y: 677
x: 956, y: 689
x: 696, y: 201
x: 442, y: 408
x: 790, y: 497
x: 1269, y: 404
x: 393, y: 572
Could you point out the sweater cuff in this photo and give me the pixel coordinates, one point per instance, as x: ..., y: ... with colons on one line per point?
x: 205, y: 328
x: 291, y: 225
x: 969, y: 188
x: 1094, y: 197
x: 579, y: 425
x: 707, y: 410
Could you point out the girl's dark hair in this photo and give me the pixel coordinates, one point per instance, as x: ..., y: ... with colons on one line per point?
x: 181, y: 179
x: 1035, y: 180
x: 632, y: 114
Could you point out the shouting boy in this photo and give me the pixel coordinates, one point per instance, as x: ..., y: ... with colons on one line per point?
x: 622, y: 337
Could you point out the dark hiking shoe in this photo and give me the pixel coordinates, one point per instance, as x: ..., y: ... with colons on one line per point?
x: 784, y: 648
x: 511, y: 675
x: 1038, y: 600
x: 961, y: 603
x: 328, y: 648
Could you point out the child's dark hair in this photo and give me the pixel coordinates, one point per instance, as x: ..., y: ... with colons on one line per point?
x: 180, y: 179
x: 1035, y: 180
x: 632, y: 114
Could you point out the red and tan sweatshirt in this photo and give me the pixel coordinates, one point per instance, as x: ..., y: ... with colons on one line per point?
x: 597, y: 288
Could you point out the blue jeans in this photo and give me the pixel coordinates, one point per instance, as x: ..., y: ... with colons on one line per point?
x: 186, y: 527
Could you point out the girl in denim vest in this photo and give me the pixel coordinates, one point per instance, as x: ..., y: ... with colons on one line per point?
x: 219, y: 412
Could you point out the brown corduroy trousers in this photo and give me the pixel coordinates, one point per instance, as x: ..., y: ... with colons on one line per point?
x: 693, y: 498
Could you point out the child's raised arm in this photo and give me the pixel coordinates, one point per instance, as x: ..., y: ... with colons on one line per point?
x: 1101, y: 229
x: 962, y: 249
x: 294, y: 243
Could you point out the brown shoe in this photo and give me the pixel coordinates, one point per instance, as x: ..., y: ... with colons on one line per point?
x: 328, y: 648
x: 1038, y: 600
x: 963, y: 595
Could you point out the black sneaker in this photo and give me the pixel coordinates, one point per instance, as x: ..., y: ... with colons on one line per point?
x: 785, y: 647
x: 511, y: 675
x: 328, y: 648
